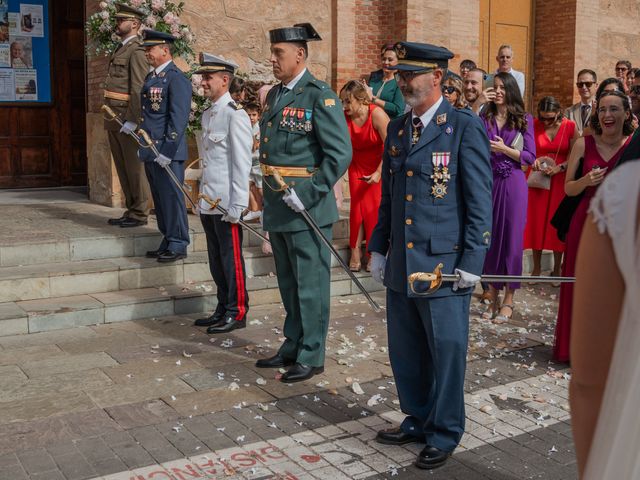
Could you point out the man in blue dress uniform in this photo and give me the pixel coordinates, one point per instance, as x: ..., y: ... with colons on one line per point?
x: 435, y: 208
x: 166, y: 103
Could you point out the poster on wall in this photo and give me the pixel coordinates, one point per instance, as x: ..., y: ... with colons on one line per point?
x: 31, y: 20
x: 7, y: 85
x: 25, y: 51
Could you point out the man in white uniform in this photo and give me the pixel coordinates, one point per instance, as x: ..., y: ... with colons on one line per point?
x: 227, y: 141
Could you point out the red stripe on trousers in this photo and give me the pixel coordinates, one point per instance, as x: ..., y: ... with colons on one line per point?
x: 237, y: 260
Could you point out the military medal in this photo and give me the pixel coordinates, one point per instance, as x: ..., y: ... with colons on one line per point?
x: 300, y: 123
x: 440, y: 176
x: 285, y: 114
x: 307, y: 123
x: 155, y: 95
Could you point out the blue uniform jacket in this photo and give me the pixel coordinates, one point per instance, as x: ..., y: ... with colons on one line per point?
x: 419, y: 231
x: 166, y: 104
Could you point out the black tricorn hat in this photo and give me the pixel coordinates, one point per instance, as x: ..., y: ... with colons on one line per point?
x: 300, y: 32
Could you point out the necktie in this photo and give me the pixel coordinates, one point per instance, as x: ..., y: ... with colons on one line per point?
x: 586, y: 111
x: 281, y: 93
x: 416, y: 131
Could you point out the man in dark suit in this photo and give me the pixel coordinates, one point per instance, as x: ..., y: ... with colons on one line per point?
x: 435, y: 209
x: 166, y: 103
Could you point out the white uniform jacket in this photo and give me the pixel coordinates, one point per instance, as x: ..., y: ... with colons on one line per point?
x: 227, y: 141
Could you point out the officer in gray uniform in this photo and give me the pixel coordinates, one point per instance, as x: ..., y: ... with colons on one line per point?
x: 435, y: 209
x: 166, y: 104
x: 128, y: 68
x: 227, y: 140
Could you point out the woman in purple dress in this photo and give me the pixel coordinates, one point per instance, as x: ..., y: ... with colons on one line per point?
x: 510, y: 131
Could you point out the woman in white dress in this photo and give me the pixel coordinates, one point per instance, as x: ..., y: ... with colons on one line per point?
x: 606, y: 332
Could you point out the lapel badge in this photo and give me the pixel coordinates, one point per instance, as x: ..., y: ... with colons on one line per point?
x: 448, y: 130
x: 394, y: 151
x: 440, y: 119
x: 486, y: 238
x: 161, y: 74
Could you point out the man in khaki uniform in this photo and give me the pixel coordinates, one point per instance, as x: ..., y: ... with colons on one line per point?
x: 128, y: 68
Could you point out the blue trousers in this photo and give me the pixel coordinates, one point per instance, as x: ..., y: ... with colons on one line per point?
x: 168, y: 201
x: 428, y: 340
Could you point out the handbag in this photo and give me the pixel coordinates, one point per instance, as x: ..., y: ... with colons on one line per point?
x: 561, y: 219
x: 538, y: 179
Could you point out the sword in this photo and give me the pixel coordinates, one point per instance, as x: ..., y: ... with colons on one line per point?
x: 314, y: 226
x: 113, y: 117
x: 436, y: 278
x: 215, y: 204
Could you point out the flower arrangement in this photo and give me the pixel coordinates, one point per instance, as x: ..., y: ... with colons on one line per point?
x: 199, y: 103
x: 161, y: 15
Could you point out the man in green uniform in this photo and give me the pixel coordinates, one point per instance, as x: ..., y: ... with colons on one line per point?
x: 304, y: 138
x: 128, y: 68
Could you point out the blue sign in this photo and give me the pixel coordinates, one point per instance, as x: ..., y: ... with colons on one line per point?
x: 25, y: 54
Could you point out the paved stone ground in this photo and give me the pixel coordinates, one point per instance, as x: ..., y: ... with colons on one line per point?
x: 159, y: 399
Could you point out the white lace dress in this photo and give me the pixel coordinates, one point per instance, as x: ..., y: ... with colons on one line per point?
x: 615, y: 451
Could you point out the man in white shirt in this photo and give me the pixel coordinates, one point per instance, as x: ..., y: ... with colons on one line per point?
x: 227, y: 138
x: 505, y: 61
x: 580, y: 113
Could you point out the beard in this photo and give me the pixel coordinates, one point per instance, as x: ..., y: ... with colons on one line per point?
x: 414, y: 96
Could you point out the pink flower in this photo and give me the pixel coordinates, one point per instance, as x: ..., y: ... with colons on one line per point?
x: 157, y: 4
x: 151, y: 21
x: 104, y: 15
x: 170, y: 18
x: 103, y: 5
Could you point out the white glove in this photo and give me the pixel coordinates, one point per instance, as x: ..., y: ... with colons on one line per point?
x: 128, y: 128
x: 466, y: 279
x: 378, y: 262
x: 233, y: 215
x: 292, y: 201
x: 162, y: 160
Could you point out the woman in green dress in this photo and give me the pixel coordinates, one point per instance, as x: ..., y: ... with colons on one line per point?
x: 383, y: 87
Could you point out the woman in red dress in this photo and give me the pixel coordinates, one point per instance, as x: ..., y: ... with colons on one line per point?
x: 554, y: 136
x: 368, y: 130
x: 601, y: 151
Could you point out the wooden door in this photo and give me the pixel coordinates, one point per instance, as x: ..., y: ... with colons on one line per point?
x: 45, y: 145
x: 508, y: 22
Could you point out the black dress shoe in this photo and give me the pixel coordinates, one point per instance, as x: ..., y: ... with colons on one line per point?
x: 276, y: 361
x: 395, y: 436
x: 300, y: 372
x: 132, y: 222
x: 431, y: 457
x: 216, y: 318
x: 116, y: 221
x: 169, y: 256
x: 227, y: 325
x: 155, y: 253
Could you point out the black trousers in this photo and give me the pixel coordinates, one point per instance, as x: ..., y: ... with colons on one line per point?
x: 224, y: 246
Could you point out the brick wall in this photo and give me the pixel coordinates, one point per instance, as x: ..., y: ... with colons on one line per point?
x: 97, y: 68
x: 554, y: 50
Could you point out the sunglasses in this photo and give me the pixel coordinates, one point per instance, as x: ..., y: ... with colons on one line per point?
x: 584, y: 84
x: 624, y: 69
x: 548, y: 119
x: 408, y: 75
x: 449, y: 89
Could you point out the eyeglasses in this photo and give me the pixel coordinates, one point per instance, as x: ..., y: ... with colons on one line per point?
x: 448, y: 89
x: 584, y: 84
x: 624, y: 69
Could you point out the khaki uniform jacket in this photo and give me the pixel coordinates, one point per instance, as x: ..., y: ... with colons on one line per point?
x: 323, y: 148
x: 128, y: 68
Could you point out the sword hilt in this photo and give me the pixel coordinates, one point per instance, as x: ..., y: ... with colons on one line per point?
x: 284, y: 187
x: 111, y: 114
x: 434, y: 278
x: 212, y: 203
x: 149, y: 143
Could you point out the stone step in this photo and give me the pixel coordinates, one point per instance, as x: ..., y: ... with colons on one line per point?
x: 33, y: 282
x: 91, y: 243
x: 40, y: 315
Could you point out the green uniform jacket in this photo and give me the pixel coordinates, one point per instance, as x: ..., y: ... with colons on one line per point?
x: 128, y: 68
x: 306, y: 128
